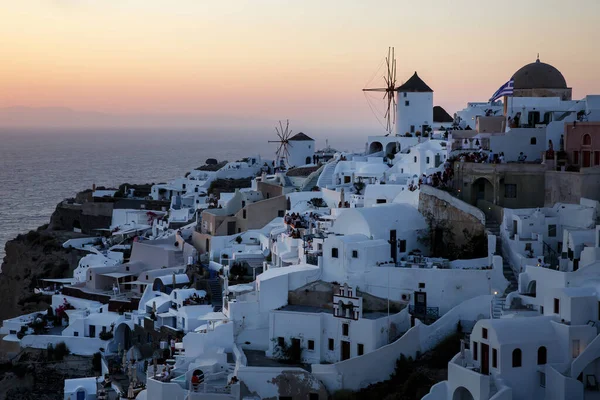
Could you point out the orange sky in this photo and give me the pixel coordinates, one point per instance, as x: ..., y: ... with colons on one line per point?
x: 304, y: 60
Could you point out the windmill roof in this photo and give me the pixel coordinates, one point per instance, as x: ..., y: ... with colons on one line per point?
x: 414, y: 84
x: 300, y: 136
x: 440, y: 115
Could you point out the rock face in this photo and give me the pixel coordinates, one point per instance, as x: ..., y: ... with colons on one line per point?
x: 29, y: 257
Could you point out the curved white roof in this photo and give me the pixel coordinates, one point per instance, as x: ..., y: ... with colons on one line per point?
x: 372, y: 169
x: 179, y: 279
x: 378, y: 221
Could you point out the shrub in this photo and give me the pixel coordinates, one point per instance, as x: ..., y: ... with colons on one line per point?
x: 97, y: 362
x: 105, y: 335
x: 238, y: 239
x: 60, y: 351
x: 317, y: 202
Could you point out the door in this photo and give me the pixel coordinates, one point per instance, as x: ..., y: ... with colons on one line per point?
x: 420, y: 310
x: 80, y: 395
x: 231, y: 228
x: 485, y: 359
x: 515, y: 224
x: 587, y: 159
x: 393, y: 244
x: 345, y: 350
x: 92, y: 330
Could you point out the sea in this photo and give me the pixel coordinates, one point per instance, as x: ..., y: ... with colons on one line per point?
x: 41, y: 167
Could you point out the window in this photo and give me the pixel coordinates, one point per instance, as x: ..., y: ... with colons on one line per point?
x: 196, y: 189
x: 402, y: 246
x: 484, y: 333
x: 494, y: 358
x: 542, y: 379
x: 244, y: 213
x: 360, y: 349
x: 381, y: 201
x: 575, y: 157
x: 281, y: 213
x: 345, y: 329
x: 320, y: 246
x: 334, y: 252
x: 516, y: 358
x: 404, y: 94
x: 347, y: 179
x: 533, y: 141
x: 280, y: 341
x: 556, y: 306
x: 243, y: 203
x: 183, y: 186
x: 407, y: 103
x: 542, y: 310
x: 412, y: 129
x: 415, y: 158
x: 528, y: 247
x: 587, y: 140
x: 421, y: 285
x: 597, y: 158
x: 475, y: 347
x: 551, y: 230
x: 510, y: 191
x: 427, y: 160
x: 311, y: 345
x: 576, y: 348
x: 354, y: 253
x: 542, y: 355
x: 75, y: 333
x: 90, y: 277
x: 331, y: 344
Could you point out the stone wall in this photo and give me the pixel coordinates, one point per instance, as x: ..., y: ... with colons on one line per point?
x: 460, y: 216
x: 570, y: 187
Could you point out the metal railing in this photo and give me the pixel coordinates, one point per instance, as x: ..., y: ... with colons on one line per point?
x: 422, y: 312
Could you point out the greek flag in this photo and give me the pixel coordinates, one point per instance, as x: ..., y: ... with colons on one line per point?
x: 505, y: 90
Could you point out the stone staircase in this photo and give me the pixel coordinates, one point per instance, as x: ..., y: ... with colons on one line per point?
x: 493, y: 227
x: 216, y: 294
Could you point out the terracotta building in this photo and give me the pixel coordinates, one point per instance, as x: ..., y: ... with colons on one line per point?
x: 582, y: 143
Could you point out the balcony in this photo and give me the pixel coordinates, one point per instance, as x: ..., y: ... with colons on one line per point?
x: 425, y: 314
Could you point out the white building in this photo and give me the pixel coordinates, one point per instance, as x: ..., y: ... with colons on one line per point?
x: 321, y: 335
x: 301, y: 149
x: 415, y: 107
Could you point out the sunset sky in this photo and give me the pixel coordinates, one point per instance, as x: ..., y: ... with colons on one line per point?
x: 269, y: 59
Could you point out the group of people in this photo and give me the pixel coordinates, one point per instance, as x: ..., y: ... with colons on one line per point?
x: 437, y: 179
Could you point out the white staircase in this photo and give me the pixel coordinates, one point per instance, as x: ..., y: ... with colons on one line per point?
x: 497, y: 307
x: 326, y: 177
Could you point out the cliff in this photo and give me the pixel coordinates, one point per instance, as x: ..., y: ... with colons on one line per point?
x: 29, y: 257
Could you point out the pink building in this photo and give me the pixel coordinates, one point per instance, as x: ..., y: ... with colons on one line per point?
x: 582, y: 143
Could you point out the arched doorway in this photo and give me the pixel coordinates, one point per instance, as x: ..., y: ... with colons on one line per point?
x: 482, y: 189
x: 462, y: 393
x: 123, y: 336
x: 375, y: 147
x: 531, y: 288
x: 392, y: 148
x: 307, y: 161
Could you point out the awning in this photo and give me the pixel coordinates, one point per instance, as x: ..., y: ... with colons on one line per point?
x: 116, y: 275
x: 69, y: 281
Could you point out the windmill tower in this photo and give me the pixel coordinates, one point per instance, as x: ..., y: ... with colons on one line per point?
x: 282, y: 154
x: 412, y: 110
